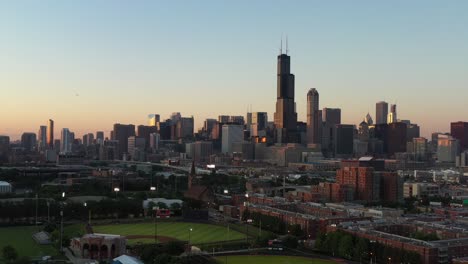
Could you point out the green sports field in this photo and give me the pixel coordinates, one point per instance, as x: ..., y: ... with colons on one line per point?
x: 21, y: 239
x: 271, y: 260
x: 201, y: 233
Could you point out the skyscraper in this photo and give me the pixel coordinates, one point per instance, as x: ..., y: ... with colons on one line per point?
x: 50, y: 134
x: 231, y: 134
x: 4, y: 148
x: 28, y: 141
x: 285, y: 117
x: 100, y: 137
x: 42, y: 137
x: 330, y: 118
x: 381, y: 112
x: 153, y: 119
x: 392, y: 116
x: 459, y: 130
x: 122, y: 133
x: 313, y: 119
x: 65, y: 143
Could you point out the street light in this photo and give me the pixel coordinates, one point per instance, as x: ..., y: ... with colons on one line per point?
x: 152, y: 188
x: 389, y: 260
x: 226, y: 191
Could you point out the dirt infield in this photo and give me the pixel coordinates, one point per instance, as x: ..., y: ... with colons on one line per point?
x: 161, y: 239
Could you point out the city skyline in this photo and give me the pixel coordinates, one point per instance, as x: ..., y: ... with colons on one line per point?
x: 86, y: 76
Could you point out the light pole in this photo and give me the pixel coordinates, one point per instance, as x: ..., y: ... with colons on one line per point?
x: 61, y: 223
x: 155, y: 210
x: 389, y: 260
x: 36, y: 208
x: 247, y: 230
x: 48, y: 211
x: 189, y: 234
x: 89, y: 213
x: 116, y: 190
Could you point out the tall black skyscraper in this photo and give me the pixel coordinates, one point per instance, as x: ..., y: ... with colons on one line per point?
x: 285, y: 114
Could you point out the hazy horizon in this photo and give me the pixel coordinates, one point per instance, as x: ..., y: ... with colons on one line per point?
x: 90, y: 64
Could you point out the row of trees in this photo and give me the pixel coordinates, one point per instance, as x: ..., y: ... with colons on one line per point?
x: 45, y: 208
x: 347, y: 246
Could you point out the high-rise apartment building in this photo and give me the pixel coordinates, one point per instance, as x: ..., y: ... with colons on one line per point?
x: 381, y: 112
x: 314, y: 120
x: 285, y: 116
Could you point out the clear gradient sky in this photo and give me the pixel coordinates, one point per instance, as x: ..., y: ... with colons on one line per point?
x: 127, y: 59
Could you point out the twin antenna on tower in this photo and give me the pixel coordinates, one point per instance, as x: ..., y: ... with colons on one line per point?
x: 281, y: 46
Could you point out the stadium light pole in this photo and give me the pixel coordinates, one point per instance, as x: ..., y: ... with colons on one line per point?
x: 116, y: 190
x: 61, y: 223
x: 189, y: 234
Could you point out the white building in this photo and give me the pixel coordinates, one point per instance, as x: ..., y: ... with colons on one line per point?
x: 5, y: 187
x: 231, y: 134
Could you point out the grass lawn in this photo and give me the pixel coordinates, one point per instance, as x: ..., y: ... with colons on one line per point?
x: 21, y: 239
x: 201, y: 233
x: 272, y: 260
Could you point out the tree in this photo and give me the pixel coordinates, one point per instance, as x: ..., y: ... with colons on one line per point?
x: 22, y: 260
x: 346, y: 246
x: 362, y: 246
x: 9, y: 253
x: 290, y: 242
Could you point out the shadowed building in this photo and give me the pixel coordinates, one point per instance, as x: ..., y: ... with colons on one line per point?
x: 285, y: 117
x: 459, y: 130
x: 121, y: 134
x: 381, y: 112
x: 314, y: 119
